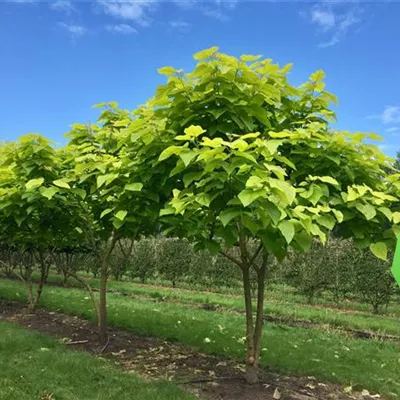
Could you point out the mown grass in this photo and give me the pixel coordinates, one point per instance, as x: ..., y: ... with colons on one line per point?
x: 372, y: 364
x: 290, y: 310
x: 34, y: 366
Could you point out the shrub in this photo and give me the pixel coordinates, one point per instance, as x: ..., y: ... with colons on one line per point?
x: 307, y: 271
x: 373, y: 280
x: 143, y: 262
x: 175, y: 259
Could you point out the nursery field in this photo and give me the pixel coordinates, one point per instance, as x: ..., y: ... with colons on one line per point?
x: 349, y: 347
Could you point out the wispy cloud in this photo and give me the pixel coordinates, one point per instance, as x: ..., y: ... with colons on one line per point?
x: 180, y: 25
x: 123, y: 29
x: 393, y: 129
x: 390, y: 115
x: 332, y: 21
x: 217, y: 9
x: 136, y: 11
x: 64, y: 6
x: 324, y: 18
x: 74, y: 30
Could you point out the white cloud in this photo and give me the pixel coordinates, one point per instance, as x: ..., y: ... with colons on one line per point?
x: 333, y: 22
x: 217, y: 9
x: 128, y: 9
x: 74, y: 30
x: 123, y: 29
x: 63, y: 5
x: 390, y: 115
x: 324, y: 18
x: 393, y: 129
x: 180, y: 24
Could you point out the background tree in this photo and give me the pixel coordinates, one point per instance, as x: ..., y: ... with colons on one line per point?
x: 250, y: 157
x: 36, y: 216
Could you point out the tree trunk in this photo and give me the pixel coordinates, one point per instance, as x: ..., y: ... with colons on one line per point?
x: 254, y: 333
x: 251, y: 375
x: 102, y: 317
x: 44, y: 272
x: 104, y: 271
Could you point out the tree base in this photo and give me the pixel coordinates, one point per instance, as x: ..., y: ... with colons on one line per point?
x: 251, y: 374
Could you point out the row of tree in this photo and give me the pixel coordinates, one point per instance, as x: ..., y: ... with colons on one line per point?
x: 228, y: 155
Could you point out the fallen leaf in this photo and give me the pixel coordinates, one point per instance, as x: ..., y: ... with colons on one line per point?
x: 348, y: 389
x: 277, y: 394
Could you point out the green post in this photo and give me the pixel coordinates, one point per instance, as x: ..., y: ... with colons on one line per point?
x: 396, y: 262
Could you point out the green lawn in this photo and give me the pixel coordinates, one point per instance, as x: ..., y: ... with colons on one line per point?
x: 373, y: 364
x: 34, y: 366
x: 289, y: 310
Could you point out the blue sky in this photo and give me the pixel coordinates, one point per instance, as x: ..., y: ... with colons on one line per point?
x: 58, y: 58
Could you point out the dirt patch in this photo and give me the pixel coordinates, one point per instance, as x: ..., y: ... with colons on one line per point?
x: 206, y: 376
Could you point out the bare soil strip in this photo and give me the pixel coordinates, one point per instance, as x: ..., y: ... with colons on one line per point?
x: 208, y: 377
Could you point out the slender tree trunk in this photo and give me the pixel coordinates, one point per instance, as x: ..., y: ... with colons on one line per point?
x: 102, y: 322
x: 104, y: 271
x: 254, y: 331
x: 43, y: 278
x: 251, y: 375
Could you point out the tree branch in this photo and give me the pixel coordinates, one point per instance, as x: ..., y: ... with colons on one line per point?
x: 233, y: 259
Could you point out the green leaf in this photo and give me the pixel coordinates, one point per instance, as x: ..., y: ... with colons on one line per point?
x: 105, y: 212
x: 121, y: 215
x: 327, y: 221
x: 201, y: 55
x: 227, y: 216
x: 339, y: 215
x: 61, y: 183
x: 247, y: 196
x: 272, y: 145
x: 166, y: 71
x: 396, y: 217
x: 49, y: 192
x: 379, y: 250
x: 101, y: 180
x: 304, y: 240
x: 34, y: 183
x: 194, y: 131
x: 167, y: 211
x: 203, y: 199
x: 387, y: 213
x: 249, y: 57
x: 287, y: 229
x: 273, y: 211
x: 134, y: 187
x: 80, y: 192
x: 169, y: 151
x: 366, y: 209
x: 328, y: 179
x: 187, y: 156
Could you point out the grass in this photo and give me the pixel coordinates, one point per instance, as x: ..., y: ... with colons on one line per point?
x: 289, y: 310
x: 372, y: 364
x: 35, y: 366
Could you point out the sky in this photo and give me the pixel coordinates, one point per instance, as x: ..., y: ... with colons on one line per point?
x: 59, y: 58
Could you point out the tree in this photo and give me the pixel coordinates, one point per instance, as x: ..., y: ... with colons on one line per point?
x: 35, y: 214
x: 248, y: 157
x: 107, y: 183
